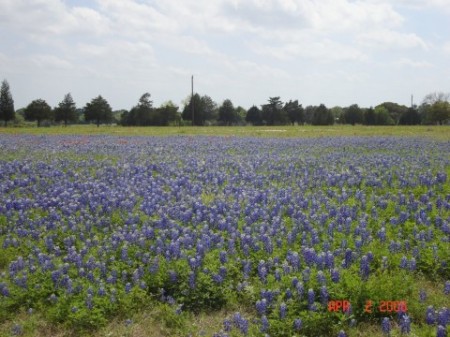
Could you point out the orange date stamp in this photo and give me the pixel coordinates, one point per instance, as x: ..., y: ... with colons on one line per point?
x: 369, y: 307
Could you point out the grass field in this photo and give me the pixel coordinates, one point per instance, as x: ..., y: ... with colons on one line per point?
x: 437, y: 132
x: 372, y: 196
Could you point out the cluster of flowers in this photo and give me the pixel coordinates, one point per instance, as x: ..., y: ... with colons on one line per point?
x: 96, y: 217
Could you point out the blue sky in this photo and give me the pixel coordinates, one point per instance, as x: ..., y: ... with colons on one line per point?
x: 336, y: 52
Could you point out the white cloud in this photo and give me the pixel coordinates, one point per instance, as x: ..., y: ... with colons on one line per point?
x: 50, y: 61
x: 390, y: 39
x: 446, y: 48
x: 406, y: 62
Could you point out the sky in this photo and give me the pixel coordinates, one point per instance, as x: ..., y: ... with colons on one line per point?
x: 335, y: 52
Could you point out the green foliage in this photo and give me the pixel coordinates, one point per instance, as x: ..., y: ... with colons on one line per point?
x: 254, y: 116
x: 38, y: 110
x: 6, y: 103
x: 66, y: 110
x: 98, y: 110
x: 322, y: 116
x: 353, y: 115
x: 227, y: 113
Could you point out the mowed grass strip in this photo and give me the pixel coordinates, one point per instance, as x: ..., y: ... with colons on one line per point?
x: 434, y: 131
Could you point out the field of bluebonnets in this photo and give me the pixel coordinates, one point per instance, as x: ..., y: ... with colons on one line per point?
x: 267, y: 231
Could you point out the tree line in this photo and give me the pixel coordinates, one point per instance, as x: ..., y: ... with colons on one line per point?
x: 202, y: 110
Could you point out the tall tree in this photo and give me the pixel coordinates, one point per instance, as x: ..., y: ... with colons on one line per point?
x: 440, y: 112
x: 205, y: 109
x: 98, y: 110
x: 410, y: 117
x: 6, y: 103
x: 322, y: 116
x: 254, y: 116
x: 294, y: 112
x: 167, y: 113
x: 382, y: 116
x: 227, y: 113
x: 353, y: 115
x: 435, y: 108
x: 66, y: 110
x: 273, y: 113
x: 395, y: 110
x: 143, y: 114
x: 38, y: 110
x: 370, y: 118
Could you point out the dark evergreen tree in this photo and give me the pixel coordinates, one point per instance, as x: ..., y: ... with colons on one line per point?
x: 273, y: 113
x: 204, y: 110
x: 98, y: 111
x: 227, y: 113
x: 410, y: 117
x: 353, y: 115
x: 167, y: 114
x: 294, y: 112
x: 66, y: 110
x: 38, y: 110
x: 254, y: 116
x: 6, y: 103
x: 370, y: 117
x: 322, y: 116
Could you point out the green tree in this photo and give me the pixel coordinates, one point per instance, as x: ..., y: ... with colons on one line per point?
x: 440, y: 112
x: 410, y: 117
x: 273, y: 113
x: 227, y: 113
x: 204, y: 109
x: 66, y: 110
x: 309, y: 114
x: 322, y: 116
x: 394, y: 110
x: 38, y: 110
x: 353, y: 115
x: 254, y: 116
x: 382, y: 116
x: 294, y: 112
x: 370, y: 118
x: 240, y: 115
x: 142, y: 114
x: 6, y: 103
x: 338, y: 114
x: 98, y: 110
x: 167, y: 113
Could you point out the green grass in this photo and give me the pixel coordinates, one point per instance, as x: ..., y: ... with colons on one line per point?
x: 437, y: 132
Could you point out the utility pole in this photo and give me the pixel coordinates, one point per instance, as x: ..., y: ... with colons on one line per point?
x: 192, y: 99
x: 412, y: 101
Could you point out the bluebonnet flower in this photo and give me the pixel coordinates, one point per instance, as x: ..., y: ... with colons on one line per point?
x: 422, y: 295
x: 227, y: 325
x: 430, y: 318
x: 261, y: 306
x: 405, y: 324
x: 324, y: 295
x: 321, y: 277
x: 191, y: 280
x: 264, y: 324
x: 386, y: 326
x: 447, y: 288
x: 283, y: 310
x: 342, y: 334
x: 443, y: 317
x: 441, y: 331
x: 335, y: 275
x: 311, y: 297
x: 364, y: 268
x: 16, y: 330
x: 297, y: 324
